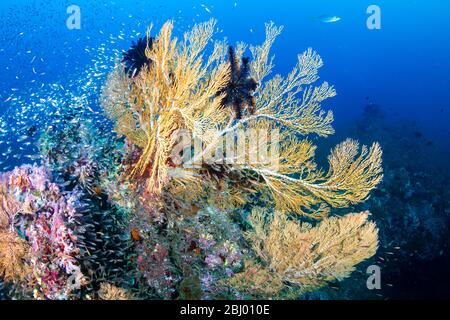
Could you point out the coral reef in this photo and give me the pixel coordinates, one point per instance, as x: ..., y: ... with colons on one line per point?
x: 80, y: 155
x: 140, y: 212
x: 42, y: 234
x: 14, y: 251
x: 183, y: 102
x: 184, y: 90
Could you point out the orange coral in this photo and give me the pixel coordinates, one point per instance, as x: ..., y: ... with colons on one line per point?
x: 14, y: 254
x: 110, y: 292
x: 312, y: 256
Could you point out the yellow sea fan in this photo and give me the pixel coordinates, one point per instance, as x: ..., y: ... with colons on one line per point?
x: 256, y: 280
x: 310, y: 257
x: 9, y: 208
x: 14, y: 254
x: 353, y: 173
x: 178, y: 91
x: 110, y: 292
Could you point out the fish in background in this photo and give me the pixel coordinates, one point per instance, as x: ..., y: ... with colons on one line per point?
x: 329, y: 18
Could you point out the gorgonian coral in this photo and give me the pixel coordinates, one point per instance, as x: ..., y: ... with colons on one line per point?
x: 14, y: 251
x: 151, y: 214
x: 150, y: 119
x: 109, y: 292
x: 14, y: 255
x: 185, y: 89
x: 307, y: 256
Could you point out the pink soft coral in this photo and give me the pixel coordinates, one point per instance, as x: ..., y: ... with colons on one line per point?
x: 48, y: 225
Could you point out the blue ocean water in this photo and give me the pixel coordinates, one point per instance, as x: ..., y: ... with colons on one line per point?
x: 403, y: 67
x: 401, y: 70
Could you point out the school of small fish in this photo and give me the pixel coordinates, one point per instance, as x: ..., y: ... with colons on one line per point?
x: 41, y: 78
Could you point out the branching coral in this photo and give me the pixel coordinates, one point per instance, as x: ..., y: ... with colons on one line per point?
x: 9, y: 208
x: 14, y: 254
x: 177, y: 92
x: 351, y: 177
x: 312, y: 256
x: 14, y: 251
x: 257, y: 281
x: 183, y: 90
x: 109, y: 292
x: 163, y: 90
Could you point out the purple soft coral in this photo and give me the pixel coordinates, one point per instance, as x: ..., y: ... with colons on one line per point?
x: 47, y: 223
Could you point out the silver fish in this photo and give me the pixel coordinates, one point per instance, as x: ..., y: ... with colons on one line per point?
x: 329, y: 19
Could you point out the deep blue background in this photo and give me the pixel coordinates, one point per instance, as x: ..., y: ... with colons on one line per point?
x: 404, y: 67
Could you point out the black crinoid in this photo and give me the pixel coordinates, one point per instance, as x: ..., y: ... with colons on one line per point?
x: 239, y: 91
x: 135, y: 58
